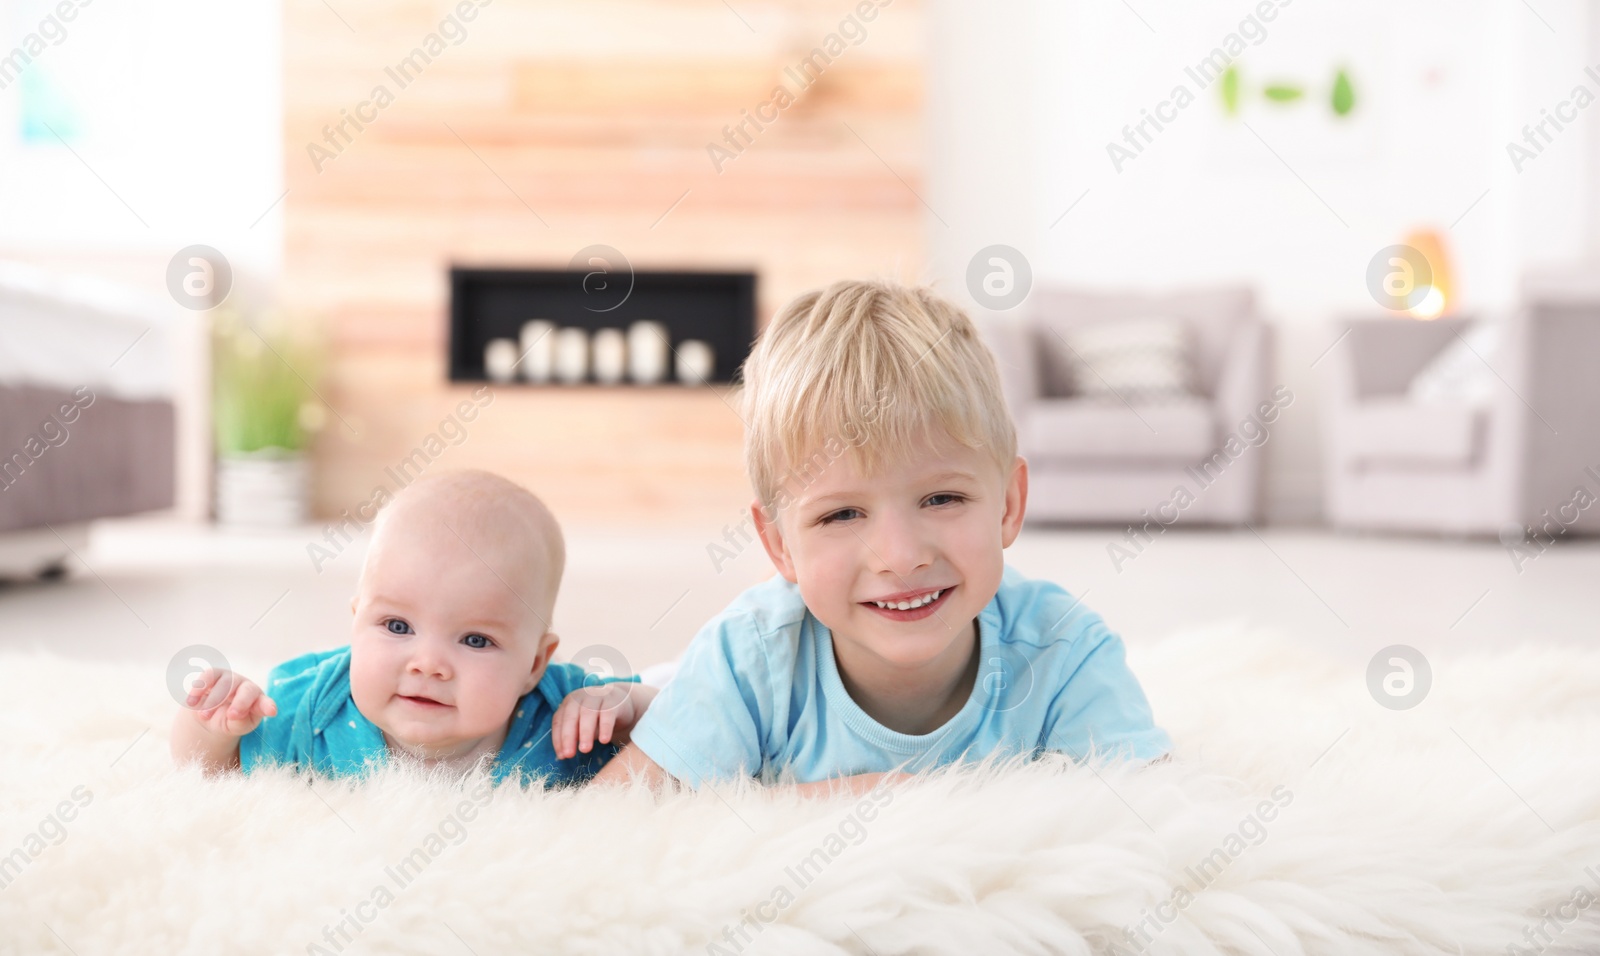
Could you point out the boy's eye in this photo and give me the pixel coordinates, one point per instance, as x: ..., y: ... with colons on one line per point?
x: 397, y: 626
x: 843, y: 514
x: 944, y: 498
x: 477, y: 641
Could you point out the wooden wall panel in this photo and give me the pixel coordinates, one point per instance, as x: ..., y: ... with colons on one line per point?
x: 557, y: 125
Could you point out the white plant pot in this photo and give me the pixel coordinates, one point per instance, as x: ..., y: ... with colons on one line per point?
x: 268, y: 489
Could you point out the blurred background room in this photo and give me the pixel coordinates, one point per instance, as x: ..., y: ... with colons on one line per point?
x: 1296, y: 304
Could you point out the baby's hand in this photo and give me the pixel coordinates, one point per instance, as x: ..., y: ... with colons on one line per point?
x: 604, y: 712
x: 228, y: 705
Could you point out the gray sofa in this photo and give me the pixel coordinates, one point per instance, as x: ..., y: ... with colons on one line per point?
x: 88, y: 424
x: 1514, y: 461
x: 1109, y: 463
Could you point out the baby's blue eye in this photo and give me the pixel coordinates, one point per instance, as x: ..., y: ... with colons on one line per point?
x: 946, y: 496
x: 397, y: 626
x: 471, y: 638
x: 843, y: 514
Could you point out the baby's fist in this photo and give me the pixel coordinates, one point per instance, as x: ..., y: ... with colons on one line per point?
x: 227, y: 704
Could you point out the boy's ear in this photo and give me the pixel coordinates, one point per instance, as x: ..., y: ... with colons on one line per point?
x: 772, y: 539
x: 1016, y: 502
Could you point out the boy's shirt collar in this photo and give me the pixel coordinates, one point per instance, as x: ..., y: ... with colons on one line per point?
x: 998, y: 681
x: 1004, y: 679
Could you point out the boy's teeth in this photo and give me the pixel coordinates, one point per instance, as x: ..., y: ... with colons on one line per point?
x: 908, y: 605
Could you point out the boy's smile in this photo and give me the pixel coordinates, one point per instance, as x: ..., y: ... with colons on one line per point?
x: 898, y: 564
x: 910, y: 605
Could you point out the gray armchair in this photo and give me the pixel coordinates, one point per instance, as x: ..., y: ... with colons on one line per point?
x: 1513, y: 461
x: 1114, y: 463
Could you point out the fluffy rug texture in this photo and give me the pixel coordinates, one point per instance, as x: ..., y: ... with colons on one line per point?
x: 1298, y: 817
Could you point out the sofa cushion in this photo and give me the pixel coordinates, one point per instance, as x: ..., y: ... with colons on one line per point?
x: 1212, y: 316
x: 1132, y: 360
x: 1076, y: 429
x: 1460, y: 374
x: 1395, y: 431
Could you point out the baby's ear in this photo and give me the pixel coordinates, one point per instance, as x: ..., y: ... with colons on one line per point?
x: 547, y: 651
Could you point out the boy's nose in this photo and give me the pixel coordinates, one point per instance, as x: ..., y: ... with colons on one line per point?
x: 899, y: 545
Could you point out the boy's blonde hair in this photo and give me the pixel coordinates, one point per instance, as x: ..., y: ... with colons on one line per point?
x: 873, y: 369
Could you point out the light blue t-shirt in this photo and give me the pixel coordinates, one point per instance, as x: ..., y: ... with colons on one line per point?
x: 318, y: 727
x: 758, y: 691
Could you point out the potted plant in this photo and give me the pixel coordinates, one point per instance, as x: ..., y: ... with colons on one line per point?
x: 264, y: 413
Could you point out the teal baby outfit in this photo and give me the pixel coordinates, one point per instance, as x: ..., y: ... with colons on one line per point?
x: 318, y: 727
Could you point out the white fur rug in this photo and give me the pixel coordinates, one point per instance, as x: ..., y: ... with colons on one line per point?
x: 1466, y: 825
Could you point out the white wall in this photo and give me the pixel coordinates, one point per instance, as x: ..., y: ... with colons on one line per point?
x: 172, y: 117
x: 180, y: 116
x: 1026, y: 94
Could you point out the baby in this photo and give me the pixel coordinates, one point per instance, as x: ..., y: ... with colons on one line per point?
x: 894, y: 637
x: 449, y: 661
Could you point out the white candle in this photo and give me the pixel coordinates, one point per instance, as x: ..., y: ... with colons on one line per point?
x: 610, y: 356
x: 572, y: 355
x: 500, y: 360
x: 538, y: 350
x: 696, y: 362
x: 647, y: 352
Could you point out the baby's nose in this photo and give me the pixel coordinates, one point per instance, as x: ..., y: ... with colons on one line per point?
x: 428, y: 662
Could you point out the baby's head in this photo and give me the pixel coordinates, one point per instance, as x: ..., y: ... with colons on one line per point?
x: 453, y: 607
x: 884, y: 463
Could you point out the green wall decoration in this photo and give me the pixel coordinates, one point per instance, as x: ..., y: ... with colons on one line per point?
x: 1344, y: 95
x: 1342, y: 99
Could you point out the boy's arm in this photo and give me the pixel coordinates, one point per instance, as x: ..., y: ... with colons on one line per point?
x: 859, y: 784
x: 632, y: 761
x: 639, y: 696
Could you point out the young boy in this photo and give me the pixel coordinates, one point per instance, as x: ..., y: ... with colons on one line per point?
x: 448, y: 662
x: 895, y: 638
